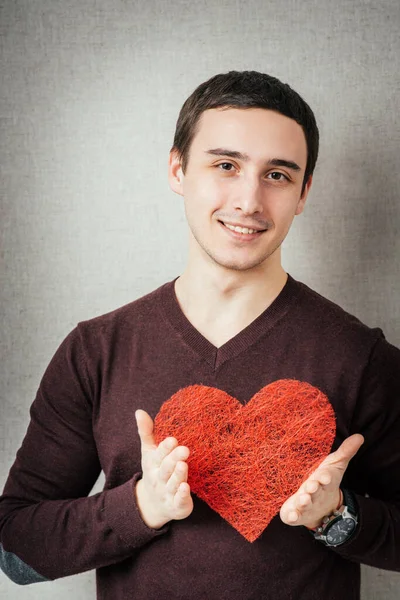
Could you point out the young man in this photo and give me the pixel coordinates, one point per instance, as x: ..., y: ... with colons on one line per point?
x: 243, y: 157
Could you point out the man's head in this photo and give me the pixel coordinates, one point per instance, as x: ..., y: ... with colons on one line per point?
x: 243, y: 156
x: 247, y: 89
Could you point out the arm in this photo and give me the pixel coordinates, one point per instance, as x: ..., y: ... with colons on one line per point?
x: 372, y: 472
x: 48, y: 527
x: 375, y: 471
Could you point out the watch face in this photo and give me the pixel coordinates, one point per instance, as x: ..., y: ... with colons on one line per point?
x: 340, y: 531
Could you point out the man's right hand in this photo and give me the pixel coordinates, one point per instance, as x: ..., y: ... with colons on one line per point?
x: 163, y: 493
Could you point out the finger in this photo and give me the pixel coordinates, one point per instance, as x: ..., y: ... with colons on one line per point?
x: 293, y: 516
x: 145, y: 427
x: 184, y: 489
x: 304, y: 500
x: 182, y: 495
x: 311, y: 486
x: 164, y: 449
x: 179, y: 475
x: 324, y: 477
x: 169, y: 463
x: 348, y: 449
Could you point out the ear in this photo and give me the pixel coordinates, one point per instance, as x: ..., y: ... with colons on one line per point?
x: 175, y: 173
x: 303, y: 197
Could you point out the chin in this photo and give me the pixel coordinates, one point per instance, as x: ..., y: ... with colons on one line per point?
x: 236, y: 259
x: 238, y: 265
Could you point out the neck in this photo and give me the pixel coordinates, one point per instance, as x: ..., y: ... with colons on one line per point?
x: 221, y: 302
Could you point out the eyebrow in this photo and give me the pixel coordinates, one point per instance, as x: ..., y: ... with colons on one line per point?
x: 273, y: 162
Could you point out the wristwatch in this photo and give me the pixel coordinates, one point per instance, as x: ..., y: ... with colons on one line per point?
x: 340, y: 526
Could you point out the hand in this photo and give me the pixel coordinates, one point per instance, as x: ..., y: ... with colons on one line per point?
x: 319, y: 495
x: 163, y: 493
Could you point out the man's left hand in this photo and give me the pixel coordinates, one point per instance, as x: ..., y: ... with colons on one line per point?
x: 319, y: 495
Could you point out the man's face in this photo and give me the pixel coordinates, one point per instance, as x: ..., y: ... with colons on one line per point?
x: 245, y: 170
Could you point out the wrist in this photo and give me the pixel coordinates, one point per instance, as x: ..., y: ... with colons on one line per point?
x: 153, y: 521
x: 339, y: 527
x: 336, y: 507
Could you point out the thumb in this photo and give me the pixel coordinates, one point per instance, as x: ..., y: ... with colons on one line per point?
x: 348, y: 449
x: 145, y: 427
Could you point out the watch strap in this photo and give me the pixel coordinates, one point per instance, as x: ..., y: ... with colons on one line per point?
x: 350, y: 501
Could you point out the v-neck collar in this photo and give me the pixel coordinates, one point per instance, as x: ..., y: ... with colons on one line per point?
x: 214, y: 356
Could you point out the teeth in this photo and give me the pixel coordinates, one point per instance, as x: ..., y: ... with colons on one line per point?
x: 240, y: 229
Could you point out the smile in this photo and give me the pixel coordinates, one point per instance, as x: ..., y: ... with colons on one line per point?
x: 242, y: 234
x: 240, y: 229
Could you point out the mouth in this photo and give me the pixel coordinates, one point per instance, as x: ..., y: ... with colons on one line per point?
x: 242, y: 232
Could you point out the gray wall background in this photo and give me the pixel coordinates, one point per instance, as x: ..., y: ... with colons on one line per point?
x: 89, y: 95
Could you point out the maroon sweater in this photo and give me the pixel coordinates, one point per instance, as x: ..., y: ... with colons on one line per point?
x: 82, y: 421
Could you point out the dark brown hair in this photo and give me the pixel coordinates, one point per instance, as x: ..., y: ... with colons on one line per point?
x: 245, y: 89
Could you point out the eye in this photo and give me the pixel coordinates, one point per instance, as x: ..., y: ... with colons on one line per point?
x: 225, y: 166
x: 278, y: 176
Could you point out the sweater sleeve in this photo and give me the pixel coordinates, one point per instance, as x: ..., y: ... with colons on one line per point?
x: 374, y: 474
x: 49, y: 527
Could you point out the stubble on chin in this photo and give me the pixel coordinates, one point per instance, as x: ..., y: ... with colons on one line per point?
x: 237, y: 265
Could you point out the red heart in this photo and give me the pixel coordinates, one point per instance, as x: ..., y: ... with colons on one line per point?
x: 245, y: 461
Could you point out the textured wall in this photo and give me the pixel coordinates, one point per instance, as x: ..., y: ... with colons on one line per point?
x: 89, y: 95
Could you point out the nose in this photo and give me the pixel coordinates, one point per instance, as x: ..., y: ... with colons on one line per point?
x: 249, y: 195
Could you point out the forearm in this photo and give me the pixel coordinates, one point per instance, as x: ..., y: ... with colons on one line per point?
x: 56, y: 538
x: 377, y: 540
